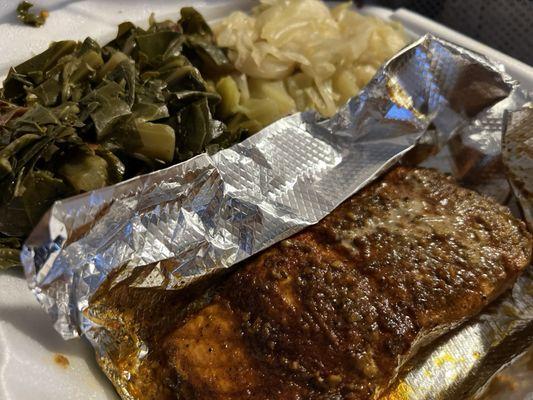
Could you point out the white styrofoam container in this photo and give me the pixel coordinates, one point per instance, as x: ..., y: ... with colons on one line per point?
x: 28, y: 343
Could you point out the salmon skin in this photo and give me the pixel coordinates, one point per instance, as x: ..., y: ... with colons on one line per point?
x: 337, y: 309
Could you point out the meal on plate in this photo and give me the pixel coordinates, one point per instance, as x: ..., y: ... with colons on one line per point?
x: 333, y: 312
x: 81, y: 116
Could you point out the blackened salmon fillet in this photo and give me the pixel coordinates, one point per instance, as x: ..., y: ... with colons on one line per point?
x: 334, y: 311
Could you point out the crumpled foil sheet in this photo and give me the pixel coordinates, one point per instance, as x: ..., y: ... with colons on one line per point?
x: 517, y: 152
x: 514, y: 381
x: 202, y: 216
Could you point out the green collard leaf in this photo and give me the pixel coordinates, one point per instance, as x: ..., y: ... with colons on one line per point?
x: 13, y: 219
x: 193, y: 128
x: 185, y: 77
x: 48, y: 92
x: 150, y: 102
x: 84, y: 171
x: 157, y: 46
x: 124, y: 138
x: 68, y: 114
x: 115, y: 167
x: 8, y: 111
x: 192, y: 23
x: 27, y: 17
x: 89, y: 62
x: 105, y: 106
x: 89, y: 44
x: 17, y: 145
x: 47, y: 59
x: 125, y: 39
x: 210, y: 59
x: 125, y: 75
x: 41, y: 189
x: 116, y: 58
x: 35, y: 120
x: 178, y: 100
x: 33, y: 71
x: 9, y: 252
x: 14, y: 87
x: 167, y: 25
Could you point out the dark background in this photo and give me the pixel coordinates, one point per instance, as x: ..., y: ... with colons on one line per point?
x: 506, y: 25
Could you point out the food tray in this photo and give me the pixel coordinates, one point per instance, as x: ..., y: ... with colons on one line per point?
x: 32, y: 355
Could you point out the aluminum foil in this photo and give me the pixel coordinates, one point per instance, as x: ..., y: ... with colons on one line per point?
x: 512, y: 382
x: 517, y: 151
x: 193, y: 220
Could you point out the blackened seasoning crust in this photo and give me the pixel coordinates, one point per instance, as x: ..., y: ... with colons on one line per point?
x: 333, y: 312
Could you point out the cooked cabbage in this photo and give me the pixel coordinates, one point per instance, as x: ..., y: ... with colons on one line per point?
x: 300, y: 54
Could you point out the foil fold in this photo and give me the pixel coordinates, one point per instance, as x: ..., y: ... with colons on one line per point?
x: 434, y: 102
x: 517, y: 154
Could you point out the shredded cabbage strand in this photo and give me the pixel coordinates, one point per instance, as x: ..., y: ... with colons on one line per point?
x: 300, y: 54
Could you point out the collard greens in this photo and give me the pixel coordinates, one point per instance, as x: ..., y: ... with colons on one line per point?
x: 79, y: 116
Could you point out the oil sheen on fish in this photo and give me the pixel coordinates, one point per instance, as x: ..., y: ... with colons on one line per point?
x: 334, y: 311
